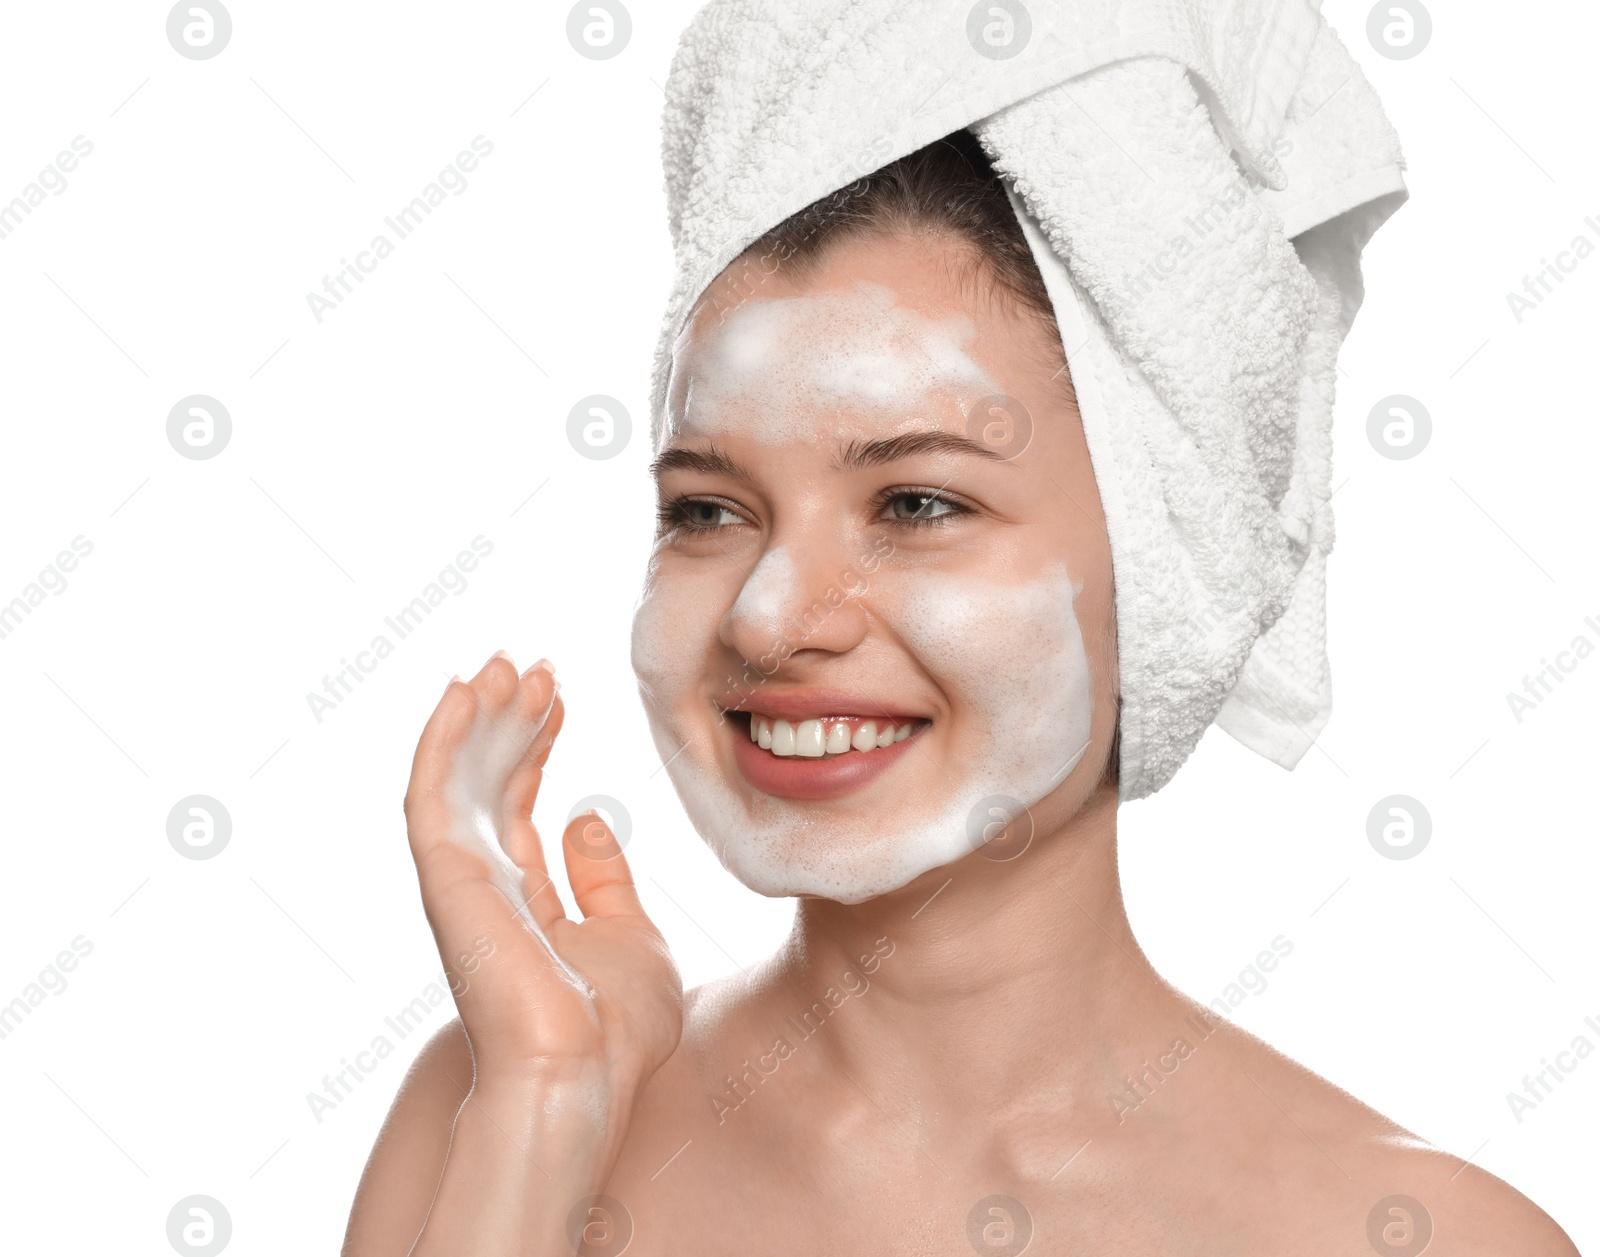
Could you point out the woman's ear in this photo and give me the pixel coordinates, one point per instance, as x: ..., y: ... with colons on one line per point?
x: 1113, y: 774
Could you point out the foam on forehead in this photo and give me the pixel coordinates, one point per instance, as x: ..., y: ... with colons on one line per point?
x: 775, y: 368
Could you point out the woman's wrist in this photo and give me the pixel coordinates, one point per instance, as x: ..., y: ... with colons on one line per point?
x: 583, y: 1085
x: 564, y: 1091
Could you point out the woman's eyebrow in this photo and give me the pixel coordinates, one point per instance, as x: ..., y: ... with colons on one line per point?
x: 858, y: 454
x: 711, y: 461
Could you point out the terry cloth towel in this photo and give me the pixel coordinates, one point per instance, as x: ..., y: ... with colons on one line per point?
x: 1196, y: 179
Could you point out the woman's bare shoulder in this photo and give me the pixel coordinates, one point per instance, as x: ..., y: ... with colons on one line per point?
x: 1471, y: 1210
x: 408, y: 1156
x: 1413, y: 1186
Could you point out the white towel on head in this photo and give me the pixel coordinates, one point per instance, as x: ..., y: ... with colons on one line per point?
x: 1198, y: 217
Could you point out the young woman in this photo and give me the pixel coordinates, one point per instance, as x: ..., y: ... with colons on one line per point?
x: 883, y: 654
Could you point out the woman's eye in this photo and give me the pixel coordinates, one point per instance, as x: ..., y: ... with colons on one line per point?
x: 918, y: 507
x: 697, y: 515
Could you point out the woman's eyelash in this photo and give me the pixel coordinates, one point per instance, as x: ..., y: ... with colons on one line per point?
x: 918, y: 519
x: 674, y: 515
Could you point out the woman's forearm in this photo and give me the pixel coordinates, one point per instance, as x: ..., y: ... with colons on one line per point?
x: 523, y: 1156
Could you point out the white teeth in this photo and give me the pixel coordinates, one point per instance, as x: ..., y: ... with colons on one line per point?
x: 813, y: 739
x: 808, y: 739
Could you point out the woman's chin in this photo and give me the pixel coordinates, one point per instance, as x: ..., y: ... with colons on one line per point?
x: 840, y: 828
x: 834, y: 860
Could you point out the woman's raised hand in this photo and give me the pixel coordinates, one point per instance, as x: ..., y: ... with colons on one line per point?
x: 545, y: 1000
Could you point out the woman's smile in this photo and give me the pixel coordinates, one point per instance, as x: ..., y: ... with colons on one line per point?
x: 799, y: 755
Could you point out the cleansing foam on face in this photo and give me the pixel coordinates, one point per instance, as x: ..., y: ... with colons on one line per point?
x: 788, y: 368
x: 795, y: 376
x: 1009, y: 657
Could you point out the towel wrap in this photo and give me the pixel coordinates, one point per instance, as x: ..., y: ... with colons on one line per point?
x: 1196, y: 180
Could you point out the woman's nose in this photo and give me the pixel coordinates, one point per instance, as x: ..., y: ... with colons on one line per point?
x: 793, y: 601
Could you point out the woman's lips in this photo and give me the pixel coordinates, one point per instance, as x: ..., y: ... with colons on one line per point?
x: 815, y: 772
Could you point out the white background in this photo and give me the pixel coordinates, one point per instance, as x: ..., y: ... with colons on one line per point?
x: 369, y: 448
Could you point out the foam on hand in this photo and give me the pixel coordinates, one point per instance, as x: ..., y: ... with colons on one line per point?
x: 475, y: 796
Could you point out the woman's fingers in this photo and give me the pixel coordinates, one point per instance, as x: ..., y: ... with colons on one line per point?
x: 496, y: 682
x: 452, y: 718
x: 536, y: 687
x: 504, y: 722
x: 538, y: 710
x: 427, y: 814
x: 518, y: 835
x: 597, y: 870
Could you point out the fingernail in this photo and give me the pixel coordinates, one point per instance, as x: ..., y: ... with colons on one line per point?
x: 547, y: 666
x: 450, y: 682
x: 500, y: 654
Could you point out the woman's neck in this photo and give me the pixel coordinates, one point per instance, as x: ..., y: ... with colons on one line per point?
x: 983, y: 982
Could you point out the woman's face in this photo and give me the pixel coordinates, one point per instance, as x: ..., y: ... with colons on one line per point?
x: 877, y: 620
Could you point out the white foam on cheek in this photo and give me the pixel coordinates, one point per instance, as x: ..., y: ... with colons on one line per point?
x: 780, y: 369
x: 673, y: 625
x: 671, y: 631
x: 1016, y: 657
x: 1012, y: 661
x: 474, y: 795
